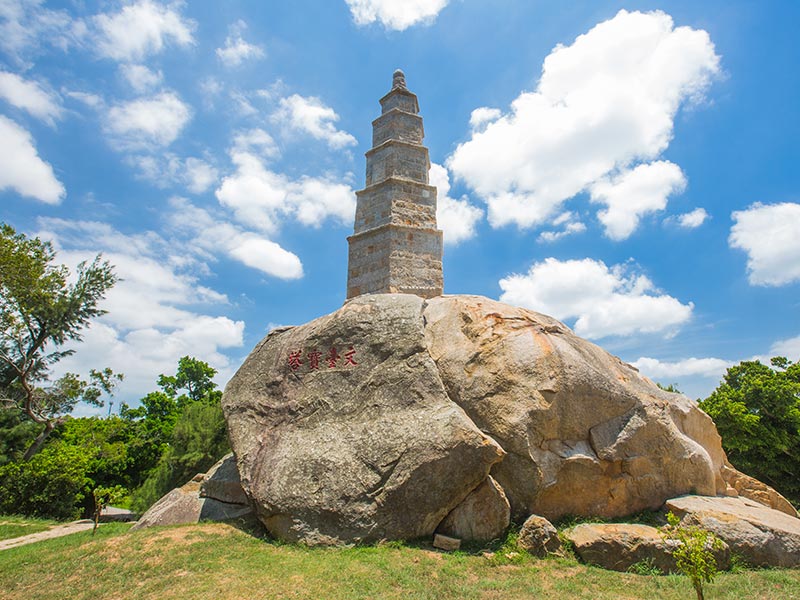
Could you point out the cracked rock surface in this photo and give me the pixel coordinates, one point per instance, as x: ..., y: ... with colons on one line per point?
x: 421, y: 400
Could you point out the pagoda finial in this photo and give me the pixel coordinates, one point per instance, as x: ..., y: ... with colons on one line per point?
x: 398, y: 80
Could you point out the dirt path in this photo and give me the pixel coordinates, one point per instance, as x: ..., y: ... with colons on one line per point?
x: 53, y: 532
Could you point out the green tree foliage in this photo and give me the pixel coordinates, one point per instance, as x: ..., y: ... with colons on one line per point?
x: 50, y: 485
x: 198, y: 441
x: 693, y: 549
x: 757, y: 412
x: 40, y: 311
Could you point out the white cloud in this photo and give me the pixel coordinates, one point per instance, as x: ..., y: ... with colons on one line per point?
x: 262, y: 198
x: 141, y: 78
x: 602, y: 105
x: 168, y: 169
x: 603, y: 301
x: 630, y: 194
x: 703, y: 367
x: 21, y: 168
x: 91, y: 100
x: 456, y: 218
x: 154, y: 311
x: 481, y: 117
x: 154, y: 121
x: 140, y: 29
x: 236, y: 50
x: 790, y: 348
x: 770, y: 235
x: 26, y: 27
x: 311, y: 116
x: 571, y: 227
x: 215, y: 235
x: 30, y: 96
x: 692, y: 219
x: 393, y: 14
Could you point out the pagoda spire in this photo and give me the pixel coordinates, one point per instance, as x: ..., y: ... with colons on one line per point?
x: 395, y: 246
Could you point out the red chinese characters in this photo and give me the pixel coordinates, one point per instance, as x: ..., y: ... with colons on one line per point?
x: 314, y: 359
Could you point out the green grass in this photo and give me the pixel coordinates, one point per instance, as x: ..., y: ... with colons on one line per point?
x: 218, y: 561
x: 13, y: 526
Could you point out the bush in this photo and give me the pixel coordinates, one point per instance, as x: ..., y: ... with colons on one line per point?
x: 50, y: 485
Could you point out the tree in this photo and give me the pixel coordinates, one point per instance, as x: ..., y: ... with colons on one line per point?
x: 194, y: 376
x: 40, y: 311
x: 693, y: 549
x: 757, y: 412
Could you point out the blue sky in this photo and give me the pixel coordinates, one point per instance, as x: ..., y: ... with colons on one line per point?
x: 627, y: 167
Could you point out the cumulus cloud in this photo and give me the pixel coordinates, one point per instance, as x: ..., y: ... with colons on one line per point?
x: 770, y: 235
x: 236, y: 50
x: 603, y: 301
x: 703, y: 367
x: 154, y: 121
x: 603, y: 105
x: 30, y: 96
x: 141, y: 78
x: 215, y: 235
x: 263, y: 198
x: 141, y: 29
x: 456, y: 218
x: 631, y: 194
x: 692, y: 219
x: 22, y: 169
x: 310, y: 115
x: 157, y: 312
x: 393, y: 14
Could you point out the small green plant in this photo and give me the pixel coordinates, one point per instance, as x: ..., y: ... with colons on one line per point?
x: 103, y: 497
x: 645, y: 566
x: 509, y: 551
x: 693, y: 549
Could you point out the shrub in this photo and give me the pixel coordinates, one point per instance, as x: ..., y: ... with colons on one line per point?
x: 50, y: 485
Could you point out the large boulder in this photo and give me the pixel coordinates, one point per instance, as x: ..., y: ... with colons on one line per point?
x: 344, y: 431
x: 620, y: 546
x: 762, y: 536
x: 376, y: 421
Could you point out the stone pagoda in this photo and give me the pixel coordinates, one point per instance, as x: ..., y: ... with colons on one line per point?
x: 395, y: 246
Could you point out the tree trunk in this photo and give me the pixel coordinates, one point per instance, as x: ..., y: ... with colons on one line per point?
x: 39, y: 441
x: 698, y: 587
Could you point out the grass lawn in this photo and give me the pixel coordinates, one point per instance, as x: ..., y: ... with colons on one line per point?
x: 218, y: 561
x: 11, y: 526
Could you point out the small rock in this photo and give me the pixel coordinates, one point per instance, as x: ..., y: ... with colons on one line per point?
x: 444, y: 542
x: 538, y: 537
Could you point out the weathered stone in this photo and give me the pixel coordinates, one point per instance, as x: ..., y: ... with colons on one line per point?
x: 539, y: 537
x: 482, y: 516
x: 760, y: 535
x: 222, y: 482
x: 383, y: 449
x: 619, y: 546
x: 444, y: 542
x: 357, y: 452
x: 395, y: 246
x: 584, y: 432
x: 185, y: 505
x: 749, y: 487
